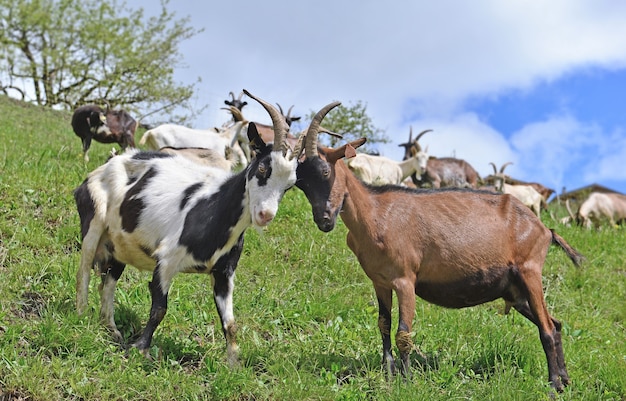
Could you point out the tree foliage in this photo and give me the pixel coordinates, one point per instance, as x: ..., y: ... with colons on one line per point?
x: 352, y: 122
x: 65, y: 53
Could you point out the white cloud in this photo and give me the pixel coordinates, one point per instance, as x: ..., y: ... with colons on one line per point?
x: 415, y: 63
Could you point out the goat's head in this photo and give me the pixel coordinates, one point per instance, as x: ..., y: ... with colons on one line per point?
x: 499, y: 178
x: 236, y: 102
x: 288, y: 117
x: 273, y: 170
x: 412, y: 147
x: 321, y: 179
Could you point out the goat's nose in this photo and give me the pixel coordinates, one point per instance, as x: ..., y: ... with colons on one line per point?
x: 266, y: 216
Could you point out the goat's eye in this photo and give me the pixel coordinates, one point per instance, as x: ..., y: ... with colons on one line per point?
x: 326, y: 172
x: 262, y: 169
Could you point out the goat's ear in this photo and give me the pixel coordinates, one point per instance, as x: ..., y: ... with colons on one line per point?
x: 348, y: 150
x: 256, y: 143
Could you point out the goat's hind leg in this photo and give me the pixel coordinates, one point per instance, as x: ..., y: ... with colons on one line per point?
x: 535, y: 310
x: 110, y: 274
x: 89, y: 248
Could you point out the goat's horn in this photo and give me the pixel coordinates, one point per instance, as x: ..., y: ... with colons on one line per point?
x: 280, y: 108
x: 239, y: 97
x: 410, y: 134
x: 297, y: 150
x: 504, y: 166
x: 310, y: 145
x: 329, y: 132
x: 495, y: 169
x: 280, y: 125
x: 569, y: 209
x: 232, y: 95
x: 420, y: 134
x: 237, y: 115
x: 289, y: 111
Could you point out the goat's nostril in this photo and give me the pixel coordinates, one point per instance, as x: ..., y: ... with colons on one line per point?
x: 265, y: 216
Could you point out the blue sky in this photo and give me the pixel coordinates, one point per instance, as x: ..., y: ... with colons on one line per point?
x: 540, y: 84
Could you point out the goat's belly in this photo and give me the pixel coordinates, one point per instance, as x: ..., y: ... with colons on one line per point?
x: 469, y: 291
x: 127, y: 251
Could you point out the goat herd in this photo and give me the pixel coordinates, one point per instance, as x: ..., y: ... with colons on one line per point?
x: 182, y: 209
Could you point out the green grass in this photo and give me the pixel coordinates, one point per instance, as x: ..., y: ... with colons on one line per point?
x: 306, y: 312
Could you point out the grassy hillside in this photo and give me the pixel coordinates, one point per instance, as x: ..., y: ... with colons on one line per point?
x: 307, y: 314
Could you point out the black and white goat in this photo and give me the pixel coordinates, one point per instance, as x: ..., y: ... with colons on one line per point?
x: 167, y: 214
x: 104, y: 126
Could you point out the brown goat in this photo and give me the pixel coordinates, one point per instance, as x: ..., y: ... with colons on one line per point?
x: 453, y: 247
x: 450, y: 172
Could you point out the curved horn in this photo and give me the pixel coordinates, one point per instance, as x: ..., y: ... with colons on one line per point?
x: 410, y: 134
x: 495, y: 169
x: 239, y: 97
x: 569, y: 209
x: 280, y: 126
x: 504, y: 166
x: 232, y: 95
x: 310, y: 144
x: 289, y: 111
x: 280, y: 108
x: 237, y: 115
x: 420, y: 134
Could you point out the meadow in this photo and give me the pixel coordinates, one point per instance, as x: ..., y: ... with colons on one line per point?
x: 306, y: 312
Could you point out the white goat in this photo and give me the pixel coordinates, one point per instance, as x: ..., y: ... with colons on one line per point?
x: 525, y: 193
x: 379, y: 170
x: 599, y: 206
x: 216, y: 139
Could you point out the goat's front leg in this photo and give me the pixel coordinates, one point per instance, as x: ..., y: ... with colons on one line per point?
x: 223, y: 274
x: 159, y: 288
x: 86, y: 145
x: 384, y: 296
x: 405, y: 289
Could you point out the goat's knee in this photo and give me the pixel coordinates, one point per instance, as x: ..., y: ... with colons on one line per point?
x: 404, y: 342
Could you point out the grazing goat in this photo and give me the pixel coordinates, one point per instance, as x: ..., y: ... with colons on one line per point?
x: 216, y: 139
x: 599, y: 206
x: 166, y: 214
x: 379, y: 170
x: 449, y: 172
x: 110, y: 126
x: 525, y: 193
x: 452, y: 247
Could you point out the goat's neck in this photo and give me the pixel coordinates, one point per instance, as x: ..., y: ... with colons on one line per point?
x: 408, y: 167
x: 359, y: 204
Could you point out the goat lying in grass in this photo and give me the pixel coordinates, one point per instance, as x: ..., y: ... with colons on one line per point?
x: 168, y: 214
x: 452, y: 247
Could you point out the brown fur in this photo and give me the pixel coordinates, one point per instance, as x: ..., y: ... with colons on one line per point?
x: 452, y: 247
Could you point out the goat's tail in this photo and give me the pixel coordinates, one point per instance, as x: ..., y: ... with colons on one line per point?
x: 573, y: 254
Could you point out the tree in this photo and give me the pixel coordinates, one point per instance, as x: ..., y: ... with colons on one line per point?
x: 66, y: 53
x: 352, y: 122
